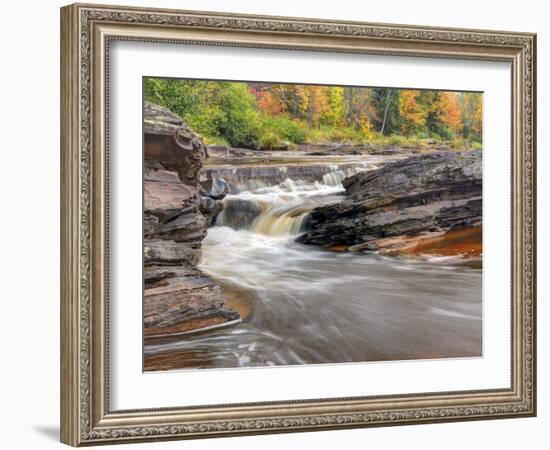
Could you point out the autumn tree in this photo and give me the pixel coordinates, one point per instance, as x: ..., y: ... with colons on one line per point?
x: 413, y: 116
x: 318, y: 104
x: 471, y: 107
x: 450, y: 115
x: 334, y: 114
x: 435, y: 105
x: 270, y: 97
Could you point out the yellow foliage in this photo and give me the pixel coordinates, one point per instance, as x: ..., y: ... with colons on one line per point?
x: 451, y: 111
x: 412, y: 114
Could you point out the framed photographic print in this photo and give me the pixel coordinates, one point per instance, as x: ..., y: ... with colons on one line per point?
x: 279, y: 224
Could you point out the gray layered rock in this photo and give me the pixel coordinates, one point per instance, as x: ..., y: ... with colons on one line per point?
x: 239, y: 213
x: 422, y: 195
x: 259, y: 175
x: 180, y: 300
x: 178, y: 297
x: 213, y: 190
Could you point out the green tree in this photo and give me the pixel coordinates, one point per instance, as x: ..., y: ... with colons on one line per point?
x: 386, y: 103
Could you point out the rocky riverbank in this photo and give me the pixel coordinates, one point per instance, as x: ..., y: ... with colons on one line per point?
x: 428, y: 204
x: 219, y: 152
x: 255, y: 173
x: 178, y: 297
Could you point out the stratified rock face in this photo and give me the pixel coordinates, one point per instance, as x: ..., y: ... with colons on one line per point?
x: 258, y: 175
x: 423, y: 195
x: 169, y: 141
x: 181, y: 299
x: 178, y: 298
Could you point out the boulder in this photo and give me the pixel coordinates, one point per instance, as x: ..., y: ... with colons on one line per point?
x: 239, y: 213
x: 170, y: 142
x: 213, y: 190
x: 404, y: 202
x: 210, y: 209
x: 182, y: 300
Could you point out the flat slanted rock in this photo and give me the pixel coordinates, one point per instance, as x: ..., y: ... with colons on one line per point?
x: 182, y: 300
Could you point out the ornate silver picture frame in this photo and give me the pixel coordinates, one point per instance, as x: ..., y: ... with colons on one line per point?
x: 87, y: 32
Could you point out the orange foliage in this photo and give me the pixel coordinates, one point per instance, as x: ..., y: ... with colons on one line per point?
x: 451, y: 115
x: 269, y: 102
x: 411, y: 112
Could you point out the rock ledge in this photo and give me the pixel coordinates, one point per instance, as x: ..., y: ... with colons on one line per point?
x: 178, y: 297
x: 406, y: 205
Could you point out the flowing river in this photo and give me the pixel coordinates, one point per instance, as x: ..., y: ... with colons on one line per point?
x: 305, y: 305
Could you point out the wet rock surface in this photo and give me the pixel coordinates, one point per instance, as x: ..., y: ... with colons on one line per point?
x: 260, y: 174
x: 333, y: 148
x: 182, y: 300
x: 418, y: 198
x: 239, y: 213
x: 213, y: 191
x: 178, y: 297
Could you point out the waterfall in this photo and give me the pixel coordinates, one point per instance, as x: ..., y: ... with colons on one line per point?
x: 277, y: 201
x: 279, y: 221
x: 254, y: 177
x: 279, y: 211
x: 338, y: 174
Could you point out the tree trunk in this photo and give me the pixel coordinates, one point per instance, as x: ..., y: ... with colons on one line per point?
x: 385, y: 111
x: 310, y: 110
x: 349, y: 105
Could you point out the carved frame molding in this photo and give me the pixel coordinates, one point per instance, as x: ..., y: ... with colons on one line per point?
x: 86, y: 33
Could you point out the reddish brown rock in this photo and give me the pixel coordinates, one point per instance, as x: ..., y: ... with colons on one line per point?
x: 178, y: 297
x: 169, y: 141
x: 182, y: 300
x: 465, y: 243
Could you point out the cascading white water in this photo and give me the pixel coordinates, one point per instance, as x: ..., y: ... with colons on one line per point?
x: 283, y: 209
x: 337, y: 175
x: 251, y: 178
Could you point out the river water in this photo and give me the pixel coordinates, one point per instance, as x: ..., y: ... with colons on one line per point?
x: 305, y: 305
